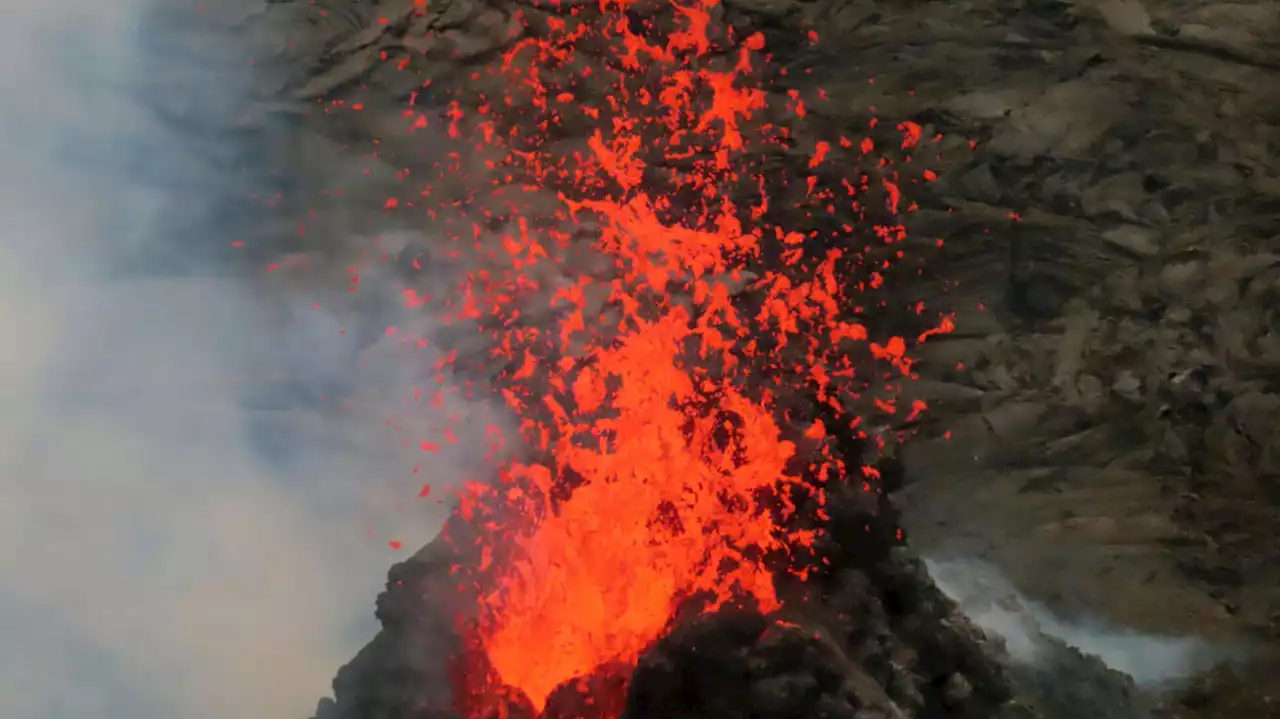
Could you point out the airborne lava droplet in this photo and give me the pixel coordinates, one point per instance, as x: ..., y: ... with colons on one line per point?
x: 663, y: 458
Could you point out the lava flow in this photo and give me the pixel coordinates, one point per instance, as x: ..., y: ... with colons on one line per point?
x: 665, y: 457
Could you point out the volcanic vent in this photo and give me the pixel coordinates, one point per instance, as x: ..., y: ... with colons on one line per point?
x: 685, y: 299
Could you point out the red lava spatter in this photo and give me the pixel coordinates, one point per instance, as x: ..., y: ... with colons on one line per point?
x: 658, y: 463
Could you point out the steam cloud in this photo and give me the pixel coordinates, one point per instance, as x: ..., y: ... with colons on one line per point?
x: 992, y: 603
x: 178, y: 538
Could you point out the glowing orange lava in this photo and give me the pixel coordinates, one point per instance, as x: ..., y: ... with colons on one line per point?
x: 666, y: 450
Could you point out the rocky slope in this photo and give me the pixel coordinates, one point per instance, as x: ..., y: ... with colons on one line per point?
x: 1108, y: 201
x: 870, y: 638
x: 1113, y: 400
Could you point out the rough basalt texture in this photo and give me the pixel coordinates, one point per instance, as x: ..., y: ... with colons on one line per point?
x: 868, y: 637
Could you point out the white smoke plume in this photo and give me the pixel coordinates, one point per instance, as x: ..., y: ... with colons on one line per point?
x: 998, y: 608
x: 176, y: 540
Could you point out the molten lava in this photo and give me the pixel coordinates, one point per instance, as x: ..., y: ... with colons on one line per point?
x: 667, y: 461
x: 662, y: 512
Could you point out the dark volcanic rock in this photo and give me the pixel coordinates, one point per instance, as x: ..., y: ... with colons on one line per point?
x: 740, y: 665
x: 870, y: 637
x: 1067, y: 683
x: 407, y: 670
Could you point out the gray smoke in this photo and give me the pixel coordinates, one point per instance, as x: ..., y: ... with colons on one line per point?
x: 998, y: 608
x: 187, y: 530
